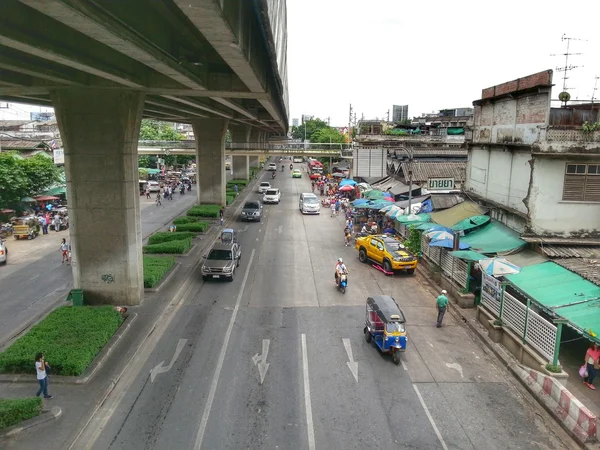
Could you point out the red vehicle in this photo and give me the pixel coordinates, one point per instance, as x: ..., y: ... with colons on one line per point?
x: 315, y: 169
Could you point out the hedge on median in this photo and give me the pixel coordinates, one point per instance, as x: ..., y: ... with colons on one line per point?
x: 204, y: 211
x: 165, y: 236
x: 173, y: 247
x: 70, y: 337
x: 155, y: 268
x: 186, y: 219
x: 194, y: 227
x: 15, y: 410
x: 241, y: 183
x: 229, y: 200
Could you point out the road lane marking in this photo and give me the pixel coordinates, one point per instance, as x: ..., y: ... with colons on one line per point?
x: 261, y: 360
x: 309, y: 418
x: 403, y: 364
x: 429, y: 416
x: 215, y: 380
x: 161, y: 368
x: 352, y: 365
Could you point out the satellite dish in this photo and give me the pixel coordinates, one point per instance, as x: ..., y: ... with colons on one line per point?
x: 564, y: 96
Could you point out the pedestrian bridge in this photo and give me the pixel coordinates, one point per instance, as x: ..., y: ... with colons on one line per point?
x: 188, y: 147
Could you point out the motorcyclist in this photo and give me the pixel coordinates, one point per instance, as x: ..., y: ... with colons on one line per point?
x: 273, y: 174
x: 282, y: 167
x: 291, y: 166
x: 340, y: 268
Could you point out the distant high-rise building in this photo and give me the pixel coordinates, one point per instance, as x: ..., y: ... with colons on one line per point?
x: 295, y: 122
x: 307, y: 117
x: 399, y: 113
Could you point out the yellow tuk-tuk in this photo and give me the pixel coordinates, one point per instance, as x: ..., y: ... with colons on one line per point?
x: 26, y: 227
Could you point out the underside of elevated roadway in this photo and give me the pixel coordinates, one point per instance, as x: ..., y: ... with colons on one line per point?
x: 192, y: 59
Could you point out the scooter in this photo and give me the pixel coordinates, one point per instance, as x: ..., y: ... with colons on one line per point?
x: 342, y: 282
x: 273, y: 175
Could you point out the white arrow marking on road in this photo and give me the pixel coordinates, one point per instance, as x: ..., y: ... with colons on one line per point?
x: 352, y: 365
x: 260, y: 361
x: 159, y: 368
x: 245, y: 229
x: 280, y: 229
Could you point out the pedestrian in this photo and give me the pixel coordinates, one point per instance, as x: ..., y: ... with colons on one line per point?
x: 332, y: 208
x: 148, y: 194
x: 337, y: 206
x: 592, y: 364
x: 44, y: 224
x: 57, y: 223
x: 221, y: 215
x: 170, y: 193
x: 235, y: 188
x: 64, y: 248
x: 441, y: 303
x: 40, y: 368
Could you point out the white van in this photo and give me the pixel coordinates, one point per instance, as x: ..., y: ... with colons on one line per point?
x: 309, y: 204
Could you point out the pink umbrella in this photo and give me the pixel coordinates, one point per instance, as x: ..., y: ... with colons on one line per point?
x: 347, y: 188
x: 388, y: 199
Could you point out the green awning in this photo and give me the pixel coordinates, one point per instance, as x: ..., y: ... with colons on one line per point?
x: 424, y: 226
x: 562, y: 292
x: 493, y: 238
x: 471, y: 222
x: 451, y: 216
x: 150, y: 171
x: 411, y: 218
x: 468, y: 255
x: 28, y: 200
x: 58, y: 190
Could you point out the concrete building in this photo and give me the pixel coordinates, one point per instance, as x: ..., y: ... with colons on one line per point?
x: 295, y: 122
x: 399, y: 113
x: 307, y: 117
x: 533, y: 165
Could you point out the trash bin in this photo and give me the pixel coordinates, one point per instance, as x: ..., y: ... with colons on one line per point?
x: 76, y: 296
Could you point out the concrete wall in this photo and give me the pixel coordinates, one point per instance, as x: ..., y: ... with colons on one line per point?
x: 499, y: 175
x: 549, y: 213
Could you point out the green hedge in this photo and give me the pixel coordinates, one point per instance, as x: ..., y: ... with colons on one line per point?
x: 173, y: 247
x: 16, y: 410
x: 160, y: 237
x: 204, y: 211
x: 229, y: 199
x: 238, y: 182
x: 195, y: 227
x: 69, y: 337
x: 155, y: 268
x: 254, y: 171
x: 185, y: 219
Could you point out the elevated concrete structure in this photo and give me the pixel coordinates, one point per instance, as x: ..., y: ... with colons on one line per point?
x: 104, y: 66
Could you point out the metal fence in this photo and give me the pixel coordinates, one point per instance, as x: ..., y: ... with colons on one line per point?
x: 453, y: 268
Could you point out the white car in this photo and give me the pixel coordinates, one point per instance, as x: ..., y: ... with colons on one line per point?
x: 309, y: 204
x: 263, y: 187
x: 272, y: 167
x: 3, y: 252
x: 298, y: 160
x: 153, y: 186
x: 272, y: 195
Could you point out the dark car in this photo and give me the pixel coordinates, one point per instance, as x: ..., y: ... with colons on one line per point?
x: 221, y: 261
x: 252, y: 211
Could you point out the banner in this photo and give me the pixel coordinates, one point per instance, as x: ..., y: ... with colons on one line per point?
x: 490, y: 288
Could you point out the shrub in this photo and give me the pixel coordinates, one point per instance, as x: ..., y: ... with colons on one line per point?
x: 204, y: 211
x: 158, y: 238
x: 16, y: 410
x: 238, y: 182
x: 229, y: 199
x: 185, y: 219
x: 553, y: 368
x: 155, y: 268
x: 195, y: 227
x: 70, y: 338
x: 173, y: 247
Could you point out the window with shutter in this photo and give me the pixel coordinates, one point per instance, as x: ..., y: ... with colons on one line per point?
x: 582, y: 183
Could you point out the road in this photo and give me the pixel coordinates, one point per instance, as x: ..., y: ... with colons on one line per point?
x: 34, y: 280
x: 263, y: 362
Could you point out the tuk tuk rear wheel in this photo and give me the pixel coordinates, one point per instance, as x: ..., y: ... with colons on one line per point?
x: 368, y: 336
x: 396, y: 358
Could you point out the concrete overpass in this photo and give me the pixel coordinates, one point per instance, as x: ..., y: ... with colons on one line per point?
x: 104, y: 66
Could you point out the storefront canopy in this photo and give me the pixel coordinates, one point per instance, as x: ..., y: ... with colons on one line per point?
x: 58, y: 190
x: 563, y: 293
x: 468, y: 255
x: 454, y: 215
x: 412, y: 218
x: 471, y: 222
x: 494, y: 238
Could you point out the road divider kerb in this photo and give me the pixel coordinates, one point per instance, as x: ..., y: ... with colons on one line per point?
x: 165, y: 279
x: 46, y: 416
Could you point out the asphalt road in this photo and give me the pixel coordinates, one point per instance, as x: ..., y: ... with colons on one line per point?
x: 282, y: 318
x: 34, y: 280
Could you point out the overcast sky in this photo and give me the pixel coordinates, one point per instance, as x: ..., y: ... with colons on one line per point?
x: 432, y: 55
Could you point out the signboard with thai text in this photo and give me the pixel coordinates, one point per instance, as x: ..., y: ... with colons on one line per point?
x: 59, y: 156
x: 440, y: 184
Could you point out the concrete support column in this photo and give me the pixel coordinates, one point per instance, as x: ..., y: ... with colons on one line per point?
x: 254, y: 161
x: 100, y: 131
x: 240, y: 135
x: 210, y: 159
x: 241, y: 168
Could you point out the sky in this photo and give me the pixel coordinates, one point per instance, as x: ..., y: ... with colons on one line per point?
x: 433, y: 55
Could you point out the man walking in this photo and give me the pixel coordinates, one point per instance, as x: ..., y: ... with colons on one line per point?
x: 40, y: 367
x: 441, y: 303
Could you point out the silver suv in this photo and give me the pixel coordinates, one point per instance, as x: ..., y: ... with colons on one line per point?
x: 221, y: 261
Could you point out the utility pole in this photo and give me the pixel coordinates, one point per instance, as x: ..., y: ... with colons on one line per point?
x: 410, y: 176
x: 350, y: 123
x: 328, y: 119
x: 388, y: 116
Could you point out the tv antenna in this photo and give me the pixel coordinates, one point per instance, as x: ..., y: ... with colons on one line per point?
x: 596, y: 78
x: 564, y: 96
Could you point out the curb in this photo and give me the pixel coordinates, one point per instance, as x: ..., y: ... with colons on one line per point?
x: 45, y: 416
x: 92, y: 368
x: 164, y: 280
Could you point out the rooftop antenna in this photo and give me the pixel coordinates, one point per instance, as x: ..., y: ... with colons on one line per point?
x: 564, y: 96
x: 596, y: 78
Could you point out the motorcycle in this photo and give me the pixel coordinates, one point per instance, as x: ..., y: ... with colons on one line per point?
x: 273, y: 175
x: 342, y: 282
x: 182, y: 190
x: 291, y: 166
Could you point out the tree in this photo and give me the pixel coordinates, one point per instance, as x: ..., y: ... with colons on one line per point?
x: 41, y: 173
x: 154, y: 130
x: 327, y: 135
x: 13, y: 181
x: 312, y: 126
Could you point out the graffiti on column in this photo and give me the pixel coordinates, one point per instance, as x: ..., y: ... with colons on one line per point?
x: 108, y: 278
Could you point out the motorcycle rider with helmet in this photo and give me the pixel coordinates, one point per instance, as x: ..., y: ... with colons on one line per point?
x: 340, y: 268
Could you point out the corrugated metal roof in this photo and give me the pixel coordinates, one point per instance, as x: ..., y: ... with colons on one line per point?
x: 441, y: 151
x: 423, y: 170
x: 565, y: 251
x: 452, y: 216
x: 525, y: 258
x: 445, y: 201
x: 21, y: 144
x: 588, y: 268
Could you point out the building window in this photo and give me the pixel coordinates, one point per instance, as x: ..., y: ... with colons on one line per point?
x: 582, y: 183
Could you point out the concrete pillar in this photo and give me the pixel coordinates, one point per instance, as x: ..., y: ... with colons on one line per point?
x: 240, y: 135
x: 100, y: 131
x: 241, y: 166
x: 254, y: 161
x: 210, y: 159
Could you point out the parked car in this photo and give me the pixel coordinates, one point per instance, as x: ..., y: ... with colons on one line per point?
x: 296, y: 173
x: 272, y: 195
x: 386, y: 251
x: 272, y: 167
x: 263, y: 187
x: 222, y: 261
x: 252, y: 211
x: 3, y: 252
x: 153, y: 186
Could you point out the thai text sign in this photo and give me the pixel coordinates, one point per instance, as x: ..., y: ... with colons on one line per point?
x: 490, y: 288
x: 440, y: 184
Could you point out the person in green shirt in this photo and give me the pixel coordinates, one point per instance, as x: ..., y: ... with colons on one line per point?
x: 441, y: 303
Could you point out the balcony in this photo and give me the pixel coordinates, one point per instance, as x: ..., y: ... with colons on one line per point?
x: 570, y: 134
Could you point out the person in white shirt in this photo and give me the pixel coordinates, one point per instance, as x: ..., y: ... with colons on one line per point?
x: 40, y: 367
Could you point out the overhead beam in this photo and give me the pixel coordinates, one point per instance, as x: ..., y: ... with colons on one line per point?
x: 174, y: 108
